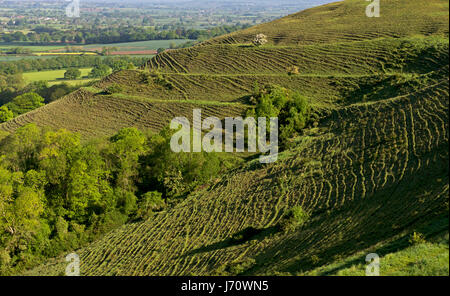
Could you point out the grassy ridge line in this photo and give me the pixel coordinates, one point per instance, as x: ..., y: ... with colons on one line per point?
x: 400, y: 97
x: 340, y: 75
x: 51, y: 75
x: 98, y: 116
x: 323, y: 92
x: 95, y: 91
x: 367, y: 57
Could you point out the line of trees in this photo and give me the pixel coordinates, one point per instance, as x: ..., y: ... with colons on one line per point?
x: 290, y: 107
x: 21, y: 104
x: 114, y: 35
x: 64, y: 62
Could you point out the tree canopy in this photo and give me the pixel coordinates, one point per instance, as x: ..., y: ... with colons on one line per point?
x: 25, y: 103
x: 72, y: 74
x: 57, y: 192
x: 5, y: 114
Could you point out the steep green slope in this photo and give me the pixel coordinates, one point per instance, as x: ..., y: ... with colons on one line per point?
x: 371, y: 172
x: 93, y: 114
x: 409, y: 54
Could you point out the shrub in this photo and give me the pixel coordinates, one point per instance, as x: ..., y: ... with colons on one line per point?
x: 294, y: 218
x: 173, y: 182
x: 293, y: 70
x: 259, y: 40
x: 113, y: 89
x: 315, y: 259
x: 157, y: 78
x: 291, y: 108
x: 126, y: 201
x: 244, y: 235
x: 99, y: 71
x: 5, y: 114
x: 108, y: 221
x: 25, y: 103
x: 5, y: 259
x: 150, y: 202
x: 240, y: 267
x: 160, y: 80
x: 76, y: 228
x: 147, y: 78
x: 417, y: 238
x: 61, y: 227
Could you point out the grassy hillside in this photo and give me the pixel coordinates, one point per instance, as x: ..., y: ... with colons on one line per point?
x: 93, y: 114
x: 371, y: 171
x: 346, y: 21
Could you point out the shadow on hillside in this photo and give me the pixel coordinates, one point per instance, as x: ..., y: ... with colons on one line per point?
x: 392, y: 247
x: 247, y: 100
x: 358, y: 238
x: 248, y: 234
x: 435, y: 228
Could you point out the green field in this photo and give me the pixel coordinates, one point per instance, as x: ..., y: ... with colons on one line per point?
x: 370, y: 170
x: 8, y: 58
x: 127, y: 46
x: 53, y: 75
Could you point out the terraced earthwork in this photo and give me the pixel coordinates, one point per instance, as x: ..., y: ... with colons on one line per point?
x: 372, y: 169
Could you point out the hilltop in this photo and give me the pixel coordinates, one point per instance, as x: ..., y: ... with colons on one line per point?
x: 371, y: 171
x: 345, y: 21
